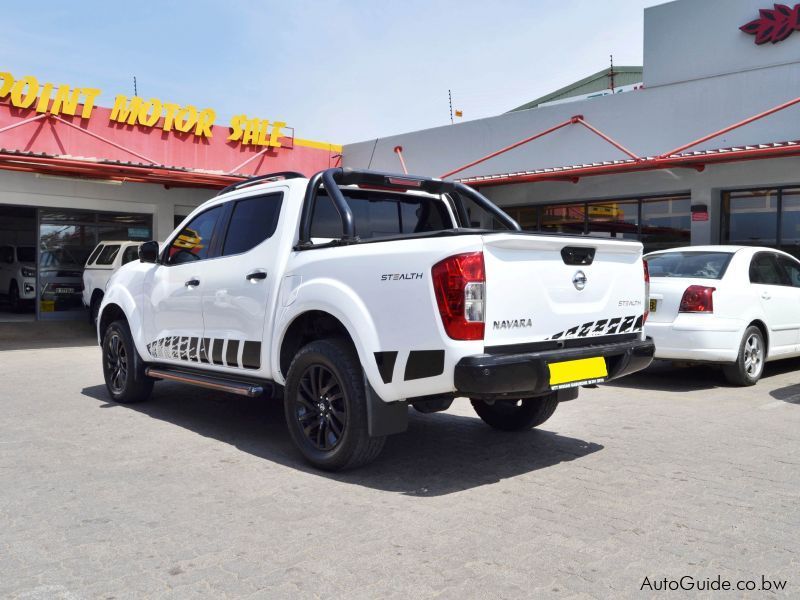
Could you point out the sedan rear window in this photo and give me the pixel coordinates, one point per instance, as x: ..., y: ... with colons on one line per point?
x: 695, y: 265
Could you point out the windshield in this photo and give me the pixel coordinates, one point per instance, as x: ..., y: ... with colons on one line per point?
x: 695, y: 265
x: 26, y: 254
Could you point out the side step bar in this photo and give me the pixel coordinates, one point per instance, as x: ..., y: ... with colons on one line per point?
x: 206, y: 381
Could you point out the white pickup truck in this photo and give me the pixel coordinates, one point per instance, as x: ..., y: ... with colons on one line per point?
x: 355, y: 294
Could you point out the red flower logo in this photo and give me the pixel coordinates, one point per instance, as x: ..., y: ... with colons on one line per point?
x: 774, y: 25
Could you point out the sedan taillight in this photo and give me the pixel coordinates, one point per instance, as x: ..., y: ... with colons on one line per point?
x: 697, y: 299
x: 459, y: 283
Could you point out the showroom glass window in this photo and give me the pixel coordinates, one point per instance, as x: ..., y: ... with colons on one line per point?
x: 762, y: 217
x: 659, y: 223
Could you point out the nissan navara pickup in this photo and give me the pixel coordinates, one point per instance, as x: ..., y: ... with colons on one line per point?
x: 352, y: 295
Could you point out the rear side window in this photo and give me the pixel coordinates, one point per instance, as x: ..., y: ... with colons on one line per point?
x: 253, y: 220
x: 764, y: 269
x: 695, y: 265
x: 130, y: 253
x: 108, y: 254
x: 94, y: 254
x: 7, y: 254
x: 791, y: 270
x: 380, y: 215
x: 193, y: 243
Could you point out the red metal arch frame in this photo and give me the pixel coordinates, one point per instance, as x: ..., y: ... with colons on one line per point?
x: 677, y: 157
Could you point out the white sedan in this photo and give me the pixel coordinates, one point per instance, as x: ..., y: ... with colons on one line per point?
x: 738, y: 306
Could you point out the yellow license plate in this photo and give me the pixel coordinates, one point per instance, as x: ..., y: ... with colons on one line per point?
x: 572, y: 373
x: 653, y: 304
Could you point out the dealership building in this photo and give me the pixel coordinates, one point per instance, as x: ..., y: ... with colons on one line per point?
x: 74, y: 173
x: 702, y: 149
x: 699, y: 145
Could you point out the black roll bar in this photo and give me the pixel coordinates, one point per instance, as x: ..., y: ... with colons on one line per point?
x: 335, y: 177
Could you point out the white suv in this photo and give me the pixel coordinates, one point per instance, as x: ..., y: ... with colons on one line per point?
x: 104, y: 260
x: 18, y: 274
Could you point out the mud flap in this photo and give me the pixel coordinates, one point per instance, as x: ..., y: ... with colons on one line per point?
x: 384, y: 418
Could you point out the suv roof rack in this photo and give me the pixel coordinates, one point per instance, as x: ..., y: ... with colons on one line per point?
x: 253, y: 180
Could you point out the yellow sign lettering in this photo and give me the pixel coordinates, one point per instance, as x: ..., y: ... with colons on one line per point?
x: 150, y: 112
x: 28, y: 83
x: 186, y: 118
x: 66, y: 100
x: 27, y: 92
x: 89, y: 96
x: 44, y: 98
x: 8, y: 81
x: 205, y: 120
x: 125, y: 110
x: 276, y: 132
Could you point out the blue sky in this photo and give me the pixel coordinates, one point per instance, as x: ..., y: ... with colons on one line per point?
x: 338, y: 71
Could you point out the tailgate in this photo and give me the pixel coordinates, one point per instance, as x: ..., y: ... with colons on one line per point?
x: 541, y: 288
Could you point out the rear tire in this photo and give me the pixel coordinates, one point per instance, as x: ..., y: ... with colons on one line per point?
x: 749, y: 365
x: 123, y: 368
x: 516, y: 415
x: 326, y: 407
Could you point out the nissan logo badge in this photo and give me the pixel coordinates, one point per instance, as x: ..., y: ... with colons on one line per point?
x: 579, y: 280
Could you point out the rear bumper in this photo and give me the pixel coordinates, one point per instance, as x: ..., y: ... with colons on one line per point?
x: 704, y: 338
x: 527, y: 374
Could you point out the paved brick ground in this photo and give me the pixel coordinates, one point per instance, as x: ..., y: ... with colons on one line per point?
x: 199, y: 494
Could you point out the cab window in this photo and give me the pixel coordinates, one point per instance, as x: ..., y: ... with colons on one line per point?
x: 193, y: 243
x: 108, y: 254
x: 130, y: 253
x: 94, y: 254
x: 253, y: 220
x: 764, y: 269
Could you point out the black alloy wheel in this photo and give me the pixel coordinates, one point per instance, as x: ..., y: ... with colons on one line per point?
x: 116, y: 363
x: 325, y: 403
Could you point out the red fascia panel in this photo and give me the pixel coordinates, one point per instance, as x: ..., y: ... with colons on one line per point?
x: 117, y: 142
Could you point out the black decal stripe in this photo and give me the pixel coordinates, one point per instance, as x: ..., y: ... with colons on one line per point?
x: 193, y: 349
x: 216, y: 351
x: 424, y: 363
x: 232, y: 353
x: 204, y: 350
x: 385, y: 362
x: 638, y: 325
x: 251, y: 355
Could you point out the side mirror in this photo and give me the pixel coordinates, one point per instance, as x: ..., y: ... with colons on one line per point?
x: 148, y: 252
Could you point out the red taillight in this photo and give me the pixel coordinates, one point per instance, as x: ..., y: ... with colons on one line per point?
x: 646, y: 291
x: 698, y: 298
x: 459, y: 284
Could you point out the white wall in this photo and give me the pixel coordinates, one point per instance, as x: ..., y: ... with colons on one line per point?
x: 690, y: 39
x: 28, y: 189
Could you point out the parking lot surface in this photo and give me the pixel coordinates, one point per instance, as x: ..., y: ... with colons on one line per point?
x: 668, y: 474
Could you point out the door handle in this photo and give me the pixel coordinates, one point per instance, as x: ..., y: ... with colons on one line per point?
x: 192, y: 283
x: 256, y: 276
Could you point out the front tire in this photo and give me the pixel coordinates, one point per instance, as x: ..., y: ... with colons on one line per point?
x: 123, y: 369
x: 749, y: 365
x: 516, y: 415
x: 13, y: 296
x: 326, y: 407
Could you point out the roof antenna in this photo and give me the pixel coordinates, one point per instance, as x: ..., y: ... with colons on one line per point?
x: 611, y: 73
x: 135, y: 92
